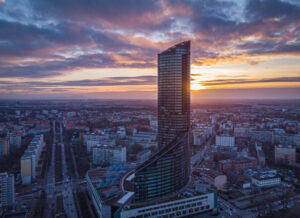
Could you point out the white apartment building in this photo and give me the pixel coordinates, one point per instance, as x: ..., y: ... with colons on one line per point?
x: 225, y: 140
x: 114, y: 155
x: 7, y: 190
x: 30, y: 159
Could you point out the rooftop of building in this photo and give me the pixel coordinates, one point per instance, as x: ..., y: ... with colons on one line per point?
x: 225, y: 135
x: 238, y: 159
x: 285, y: 146
x: 172, y: 49
x: 109, y: 184
x: 32, y: 147
x: 260, y: 172
x: 265, y: 176
x: 104, y: 146
x: 106, y: 182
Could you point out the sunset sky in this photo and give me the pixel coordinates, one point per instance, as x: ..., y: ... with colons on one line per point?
x: 108, y: 48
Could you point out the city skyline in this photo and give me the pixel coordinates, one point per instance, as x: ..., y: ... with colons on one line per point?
x: 241, y: 49
x: 149, y: 108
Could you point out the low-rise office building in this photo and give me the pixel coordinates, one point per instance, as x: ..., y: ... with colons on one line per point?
x: 265, y: 180
x: 112, y: 197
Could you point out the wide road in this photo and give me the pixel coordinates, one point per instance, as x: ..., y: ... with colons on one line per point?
x: 67, y: 184
x: 49, y: 185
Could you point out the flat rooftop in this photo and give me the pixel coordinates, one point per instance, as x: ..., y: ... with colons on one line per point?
x: 108, y: 184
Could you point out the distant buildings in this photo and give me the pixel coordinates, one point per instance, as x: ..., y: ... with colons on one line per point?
x: 238, y: 165
x: 15, y: 139
x: 71, y: 126
x: 285, y: 155
x: 266, y: 180
x: 283, y: 139
x: 225, y: 140
x: 4, y: 146
x: 30, y: 158
x: 7, y: 190
x: 201, y: 134
x: 91, y: 137
x: 258, y: 135
x: 144, y: 138
x: 241, y: 131
x: 153, y: 124
x: 91, y: 140
x: 40, y: 128
x: 112, y: 155
x: 71, y: 114
x: 121, y: 133
x: 219, y: 180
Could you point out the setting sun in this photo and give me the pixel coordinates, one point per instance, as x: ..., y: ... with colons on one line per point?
x: 196, y: 86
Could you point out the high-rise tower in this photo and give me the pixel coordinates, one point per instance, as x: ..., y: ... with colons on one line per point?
x: 173, y: 92
x: 168, y: 171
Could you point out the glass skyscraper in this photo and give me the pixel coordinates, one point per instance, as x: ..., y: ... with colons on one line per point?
x: 173, y: 92
x: 168, y: 171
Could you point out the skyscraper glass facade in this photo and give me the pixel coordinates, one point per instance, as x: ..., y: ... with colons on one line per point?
x: 173, y: 92
x: 167, y: 171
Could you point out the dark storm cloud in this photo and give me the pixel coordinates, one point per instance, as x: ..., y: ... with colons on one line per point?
x: 54, y: 68
x: 210, y: 17
x: 263, y: 9
x: 60, y: 36
x: 268, y: 19
x: 17, y: 39
x: 129, y: 13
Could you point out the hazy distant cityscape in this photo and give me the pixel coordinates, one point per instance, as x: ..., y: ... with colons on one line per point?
x: 251, y: 153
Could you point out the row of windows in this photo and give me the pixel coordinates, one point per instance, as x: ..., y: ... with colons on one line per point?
x: 183, y: 210
x: 178, y: 203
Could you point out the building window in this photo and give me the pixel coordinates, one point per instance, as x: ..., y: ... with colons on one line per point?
x: 154, y: 213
